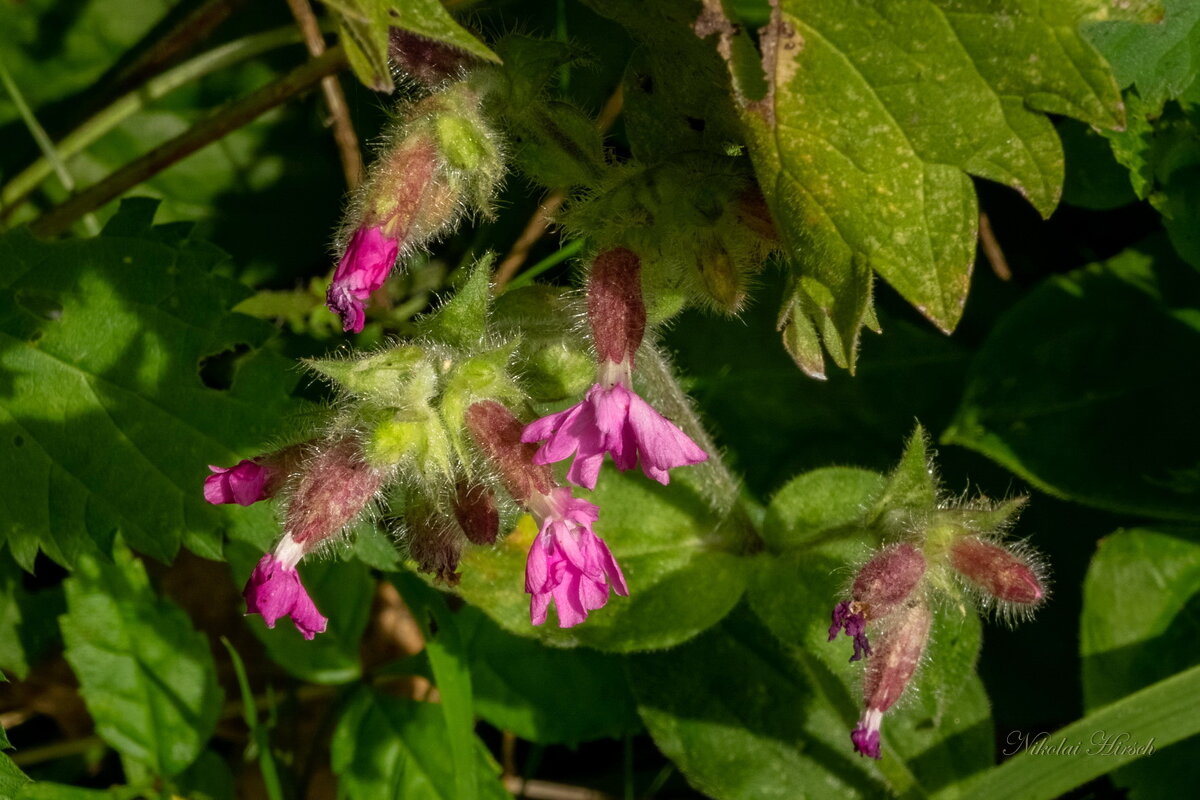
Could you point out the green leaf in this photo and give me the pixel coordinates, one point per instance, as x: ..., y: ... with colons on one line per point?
x: 912, y: 484
x: 146, y: 675
x: 12, y: 649
x: 1161, y: 57
x: 342, y: 591
x: 11, y: 778
x: 817, y: 503
x: 462, y: 320
x: 364, y: 26
x: 1139, y: 625
x: 523, y: 686
x: 102, y: 408
x: 1168, y: 711
x: 388, y: 747
x: 259, y: 734
x: 1081, y: 390
x: 667, y: 540
x: 741, y: 720
x: 447, y: 658
x: 875, y: 117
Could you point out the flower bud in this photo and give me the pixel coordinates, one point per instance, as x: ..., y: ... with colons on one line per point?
x: 427, y: 62
x: 476, y: 512
x: 998, y: 572
x: 615, y: 308
x: 498, y: 434
x: 434, y: 542
x: 334, y: 487
x: 889, y: 673
x: 882, y: 586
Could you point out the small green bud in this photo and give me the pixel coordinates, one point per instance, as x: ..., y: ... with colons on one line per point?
x: 401, y: 376
x: 463, y: 145
x: 417, y: 443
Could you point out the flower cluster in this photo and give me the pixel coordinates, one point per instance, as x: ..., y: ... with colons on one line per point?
x: 894, y: 591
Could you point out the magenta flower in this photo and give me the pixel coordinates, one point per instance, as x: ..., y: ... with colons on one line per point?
x: 245, y: 483
x: 568, y: 563
x: 274, y: 590
x: 363, y: 269
x: 855, y: 624
x: 612, y: 420
x: 866, y: 736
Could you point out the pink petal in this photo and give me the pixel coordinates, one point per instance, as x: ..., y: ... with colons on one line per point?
x: 661, y: 445
x: 274, y: 591
x: 585, y: 470
x: 537, y: 566
x: 362, y: 270
x: 244, y: 483
x: 571, y: 610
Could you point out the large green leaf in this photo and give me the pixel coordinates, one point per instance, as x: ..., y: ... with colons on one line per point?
x: 103, y: 411
x: 1084, y: 388
x: 523, y: 686
x: 146, y: 675
x: 668, y: 541
x: 388, y: 747
x: 875, y: 114
x: 1141, y: 617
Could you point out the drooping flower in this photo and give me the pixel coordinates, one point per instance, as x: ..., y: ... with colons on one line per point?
x: 889, y: 672
x: 568, y: 563
x: 612, y: 418
x: 245, y: 483
x: 883, y: 585
x: 274, y: 590
x: 362, y: 270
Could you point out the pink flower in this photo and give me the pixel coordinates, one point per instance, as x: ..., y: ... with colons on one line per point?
x: 363, y: 269
x: 244, y: 484
x: 612, y: 420
x: 568, y: 563
x: 274, y: 590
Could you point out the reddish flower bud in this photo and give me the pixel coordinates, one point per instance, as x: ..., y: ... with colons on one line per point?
x: 334, y: 487
x: 889, y: 673
x: 427, y: 62
x: 498, y: 434
x: 883, y: 584
x: 435, y: 543
x: 616, y: 310
x: 476, y: 512
x: 997, y: 571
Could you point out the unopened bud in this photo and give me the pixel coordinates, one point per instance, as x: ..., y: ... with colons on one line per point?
x: 1000, y: 573
x: 616, y: 310
x: 498, y: 434
x: 334, y: 487
x: 722, y: 281
x: 889, y: 673
x: 476, y: 512
x: 428, y: 62
x: 435, y: 543
x: 882, y: 586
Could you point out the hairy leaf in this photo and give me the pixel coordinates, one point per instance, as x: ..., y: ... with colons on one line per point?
x: 146, y: 675
x: 103, y: 408
x: 1160, y: 57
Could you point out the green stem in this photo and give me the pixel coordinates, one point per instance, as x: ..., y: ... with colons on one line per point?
x: 223, y: 121
x: 126, y: 106
x: 557, y: 257
x: 50, y: 156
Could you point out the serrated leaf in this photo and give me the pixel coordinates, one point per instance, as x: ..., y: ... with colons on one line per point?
x: 876, y: 115
x: 102, y: 408
x: 1160, y: 57
x: 342, y: 591
x: 388, y: 747
x: 667, y: 540
x: 146, y: 675
x: 1081, y: 390
x: 1141, y: 601
x: 523, y: 686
